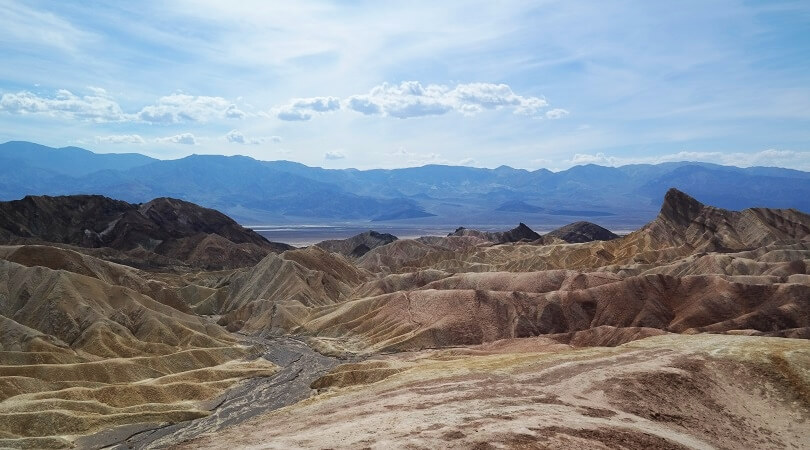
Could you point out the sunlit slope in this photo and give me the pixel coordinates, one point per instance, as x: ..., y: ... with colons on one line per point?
x: 694, y: 269
x: 671, y: 392
x: 78, y: 354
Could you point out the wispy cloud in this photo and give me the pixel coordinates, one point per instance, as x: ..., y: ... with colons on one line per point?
x: 54, y: 32
x: 184, y: 138
x: 64, y: 104
x: 412, y: 99
x: 304, y: 108
x: 121, y: 139
x: 178, y: 108
x: 769, y: 157
x: 728, y: 77
x: 405, y: 157
x: 334, y: 155
x: 99, y: 106
x: 556, y: 113
x: 236, y: 137
x: 405, y: 100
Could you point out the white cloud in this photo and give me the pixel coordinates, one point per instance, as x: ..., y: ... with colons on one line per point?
x: 334, y: 154
x: 98, y: 91
x: 99, y: 106
x: 411, y: 99
x: 65, y: 104
x: 177, y: 108
x: 236, y: 137
x: 184, y: 138
x: 407, y: 158
x: 363, y: 104
x: 293, y: 115
x: 772, y: 157
x: 540, y: 162
x: 320, y: 104
x: 267, y: 52
x: 304, y: 108
x: 121, y: 139
x: 556, y: 113
x: 477, y: 96
x: 597, y: 158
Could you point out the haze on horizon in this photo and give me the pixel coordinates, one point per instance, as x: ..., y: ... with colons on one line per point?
x: 368, y: 85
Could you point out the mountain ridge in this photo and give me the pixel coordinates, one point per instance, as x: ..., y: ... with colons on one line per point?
x: 255, y: 191
x: 167, y: 227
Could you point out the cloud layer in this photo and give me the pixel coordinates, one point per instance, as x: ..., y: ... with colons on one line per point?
x: 97, y: 107
x: 178, y: 108
x: 304, y: 108
x: 406, y: 100
x: 236, y: 137
x: 493, y: 81
x: 183, y: 138
x: 334, y: 155
x: 770, y: 157
x: 411, y: 99
x: 121, y: 139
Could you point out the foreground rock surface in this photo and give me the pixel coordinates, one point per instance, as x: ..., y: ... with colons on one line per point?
x: 669, y: 392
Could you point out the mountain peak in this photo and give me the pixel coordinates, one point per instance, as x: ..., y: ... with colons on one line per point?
x: 679, y: 207
x: 521, y: 232
x: 583, y: 231
x: 358, y: 245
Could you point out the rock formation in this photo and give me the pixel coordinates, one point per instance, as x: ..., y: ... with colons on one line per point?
x: 358, y: 245
x: 653, y: 339
x: 520, y: 233
x: 582, y: 232
x: 171, y: 228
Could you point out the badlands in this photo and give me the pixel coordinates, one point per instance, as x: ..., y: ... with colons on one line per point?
x: 169, y: 325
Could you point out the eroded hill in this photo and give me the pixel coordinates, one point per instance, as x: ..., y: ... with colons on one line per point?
x: 636, y: 340
x: 155, y: 232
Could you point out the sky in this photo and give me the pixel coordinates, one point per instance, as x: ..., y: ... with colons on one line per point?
x: 370, y: 84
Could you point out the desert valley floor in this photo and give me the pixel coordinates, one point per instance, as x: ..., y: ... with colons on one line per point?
x: 165, y: 324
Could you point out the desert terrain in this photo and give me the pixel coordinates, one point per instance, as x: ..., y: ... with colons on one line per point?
x: 165, y: 324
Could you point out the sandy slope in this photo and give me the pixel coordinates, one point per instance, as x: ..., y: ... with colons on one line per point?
x: 79, y: 354
x: 669, y: 391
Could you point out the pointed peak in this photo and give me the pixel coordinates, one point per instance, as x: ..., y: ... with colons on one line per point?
x: 459, y: 231
x: 520, y: 232
x: 680, y: 207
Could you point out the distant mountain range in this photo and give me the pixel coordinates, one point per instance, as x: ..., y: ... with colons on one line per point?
x: 254, y: 191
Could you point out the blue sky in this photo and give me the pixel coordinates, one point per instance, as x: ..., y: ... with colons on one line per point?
x: 375, y: 84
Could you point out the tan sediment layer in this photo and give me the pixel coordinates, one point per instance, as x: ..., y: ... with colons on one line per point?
x: 673, y: 391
